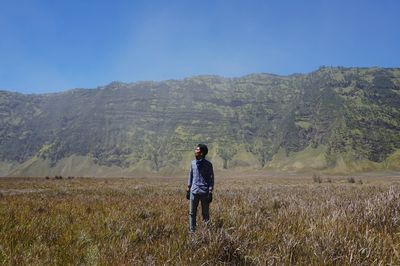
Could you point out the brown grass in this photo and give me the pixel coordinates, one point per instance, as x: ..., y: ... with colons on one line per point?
x: 255, y: 220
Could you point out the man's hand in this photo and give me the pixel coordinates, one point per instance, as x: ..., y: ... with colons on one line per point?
x: 210, y: 197
x: 188, y: 194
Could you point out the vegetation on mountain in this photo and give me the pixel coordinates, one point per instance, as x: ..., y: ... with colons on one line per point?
x: 349, y: 117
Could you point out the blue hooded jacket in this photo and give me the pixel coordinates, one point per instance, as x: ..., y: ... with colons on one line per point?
x: 201, y: 176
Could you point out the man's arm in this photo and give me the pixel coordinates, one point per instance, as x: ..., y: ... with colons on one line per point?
x: 190, y: 178
x: 210, y: 189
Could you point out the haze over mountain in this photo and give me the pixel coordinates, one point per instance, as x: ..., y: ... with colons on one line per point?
x: 332, y: 120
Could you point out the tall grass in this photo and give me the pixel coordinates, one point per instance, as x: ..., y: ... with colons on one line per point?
x: 144, y: 221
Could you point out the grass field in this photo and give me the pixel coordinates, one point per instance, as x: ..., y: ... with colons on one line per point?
x: 255, y: 220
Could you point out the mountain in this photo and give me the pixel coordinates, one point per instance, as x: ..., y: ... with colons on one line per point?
x: 334, y: 119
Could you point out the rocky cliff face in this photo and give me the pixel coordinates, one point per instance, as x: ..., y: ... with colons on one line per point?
x: 334, y: 118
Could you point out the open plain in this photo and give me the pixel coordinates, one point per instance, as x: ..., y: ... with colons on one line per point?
x: 258, y: 219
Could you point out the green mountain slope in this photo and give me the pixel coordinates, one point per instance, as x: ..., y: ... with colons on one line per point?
x: 333, y: 119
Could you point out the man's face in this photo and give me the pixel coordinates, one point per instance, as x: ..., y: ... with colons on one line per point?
x: 198, y: 153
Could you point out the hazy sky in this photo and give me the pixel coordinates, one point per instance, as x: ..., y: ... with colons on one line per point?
x: 54, y: 45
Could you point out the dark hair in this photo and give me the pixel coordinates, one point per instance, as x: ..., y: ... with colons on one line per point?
x: 203, y: 149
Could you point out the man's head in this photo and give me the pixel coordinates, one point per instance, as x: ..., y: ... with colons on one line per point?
x: 201, y: 151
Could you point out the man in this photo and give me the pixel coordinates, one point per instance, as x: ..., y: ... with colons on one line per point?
x: 200, y: 186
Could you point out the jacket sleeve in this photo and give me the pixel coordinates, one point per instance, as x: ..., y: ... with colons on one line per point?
x: 190, y: 178
x: 211, y: 176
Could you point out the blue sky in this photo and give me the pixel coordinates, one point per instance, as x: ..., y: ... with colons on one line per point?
x: 55, y: 45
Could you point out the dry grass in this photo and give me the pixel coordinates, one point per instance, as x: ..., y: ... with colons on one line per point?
x: 255, y: 220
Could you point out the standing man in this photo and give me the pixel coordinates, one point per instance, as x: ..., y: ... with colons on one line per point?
x: 200, y: 186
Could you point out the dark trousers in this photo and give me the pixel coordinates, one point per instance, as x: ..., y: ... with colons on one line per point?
x: 193, y: 204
